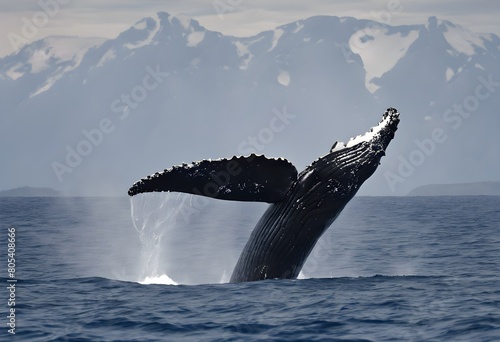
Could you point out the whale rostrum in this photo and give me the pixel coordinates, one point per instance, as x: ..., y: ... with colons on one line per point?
x: 302, y: 205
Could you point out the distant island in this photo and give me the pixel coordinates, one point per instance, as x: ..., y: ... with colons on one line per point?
x: 27, y: 191
x: 461, y: 189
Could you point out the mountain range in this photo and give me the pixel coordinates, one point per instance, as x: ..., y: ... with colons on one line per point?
x: 27, y: 191
x: 90, y: 116
x: 463, y: 189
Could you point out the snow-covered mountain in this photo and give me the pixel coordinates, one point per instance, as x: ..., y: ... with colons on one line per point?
x: 91, y: 116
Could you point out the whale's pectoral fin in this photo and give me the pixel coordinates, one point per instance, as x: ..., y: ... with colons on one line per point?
x: 252, y: 178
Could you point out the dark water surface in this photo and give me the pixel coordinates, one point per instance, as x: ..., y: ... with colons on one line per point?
x: 389, y: 269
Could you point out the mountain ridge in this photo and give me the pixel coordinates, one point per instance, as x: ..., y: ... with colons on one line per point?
x: 460, y: 189
x: 169, y: 87
x: 28, y: 191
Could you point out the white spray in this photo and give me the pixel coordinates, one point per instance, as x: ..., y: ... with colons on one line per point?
x: 153, y: 216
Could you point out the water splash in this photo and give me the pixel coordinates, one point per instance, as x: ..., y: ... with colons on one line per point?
x: 163, y: 280
x: 153, y: 215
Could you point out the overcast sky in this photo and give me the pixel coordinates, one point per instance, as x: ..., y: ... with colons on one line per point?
x: 92, y: 18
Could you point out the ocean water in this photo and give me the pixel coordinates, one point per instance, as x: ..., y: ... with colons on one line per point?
x: 155, y: 268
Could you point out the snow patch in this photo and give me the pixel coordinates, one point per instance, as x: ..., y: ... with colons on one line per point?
x: 39, y: 61
x: 462, y: 40
x: 47, y: 85
x: 62, y: 54
x: 380, y: 53
x: 184, y: 21
x: 244, y: 52
x: 73, y: 49
x: 57, y: 75
x: 276, y: 37
x: 284, y: 78
x: 55, y: 55
x: 13, y: 72
x: 195, y: 38
x: 108, y: 56
x: 150, y: 37
x: 449, y: 74
x: 479, y: 66
x: 141, y: 25
x: 299, y: 27
x: 452, y: 53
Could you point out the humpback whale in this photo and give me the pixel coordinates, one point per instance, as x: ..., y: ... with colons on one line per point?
x: 302, y: 206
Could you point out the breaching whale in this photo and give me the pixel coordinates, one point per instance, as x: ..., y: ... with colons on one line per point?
x: 302, y: 205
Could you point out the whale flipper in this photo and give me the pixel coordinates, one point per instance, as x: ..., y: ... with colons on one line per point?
x: 251, y: 178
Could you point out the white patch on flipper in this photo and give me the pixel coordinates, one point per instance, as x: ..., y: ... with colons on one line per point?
x: 368, y: 136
